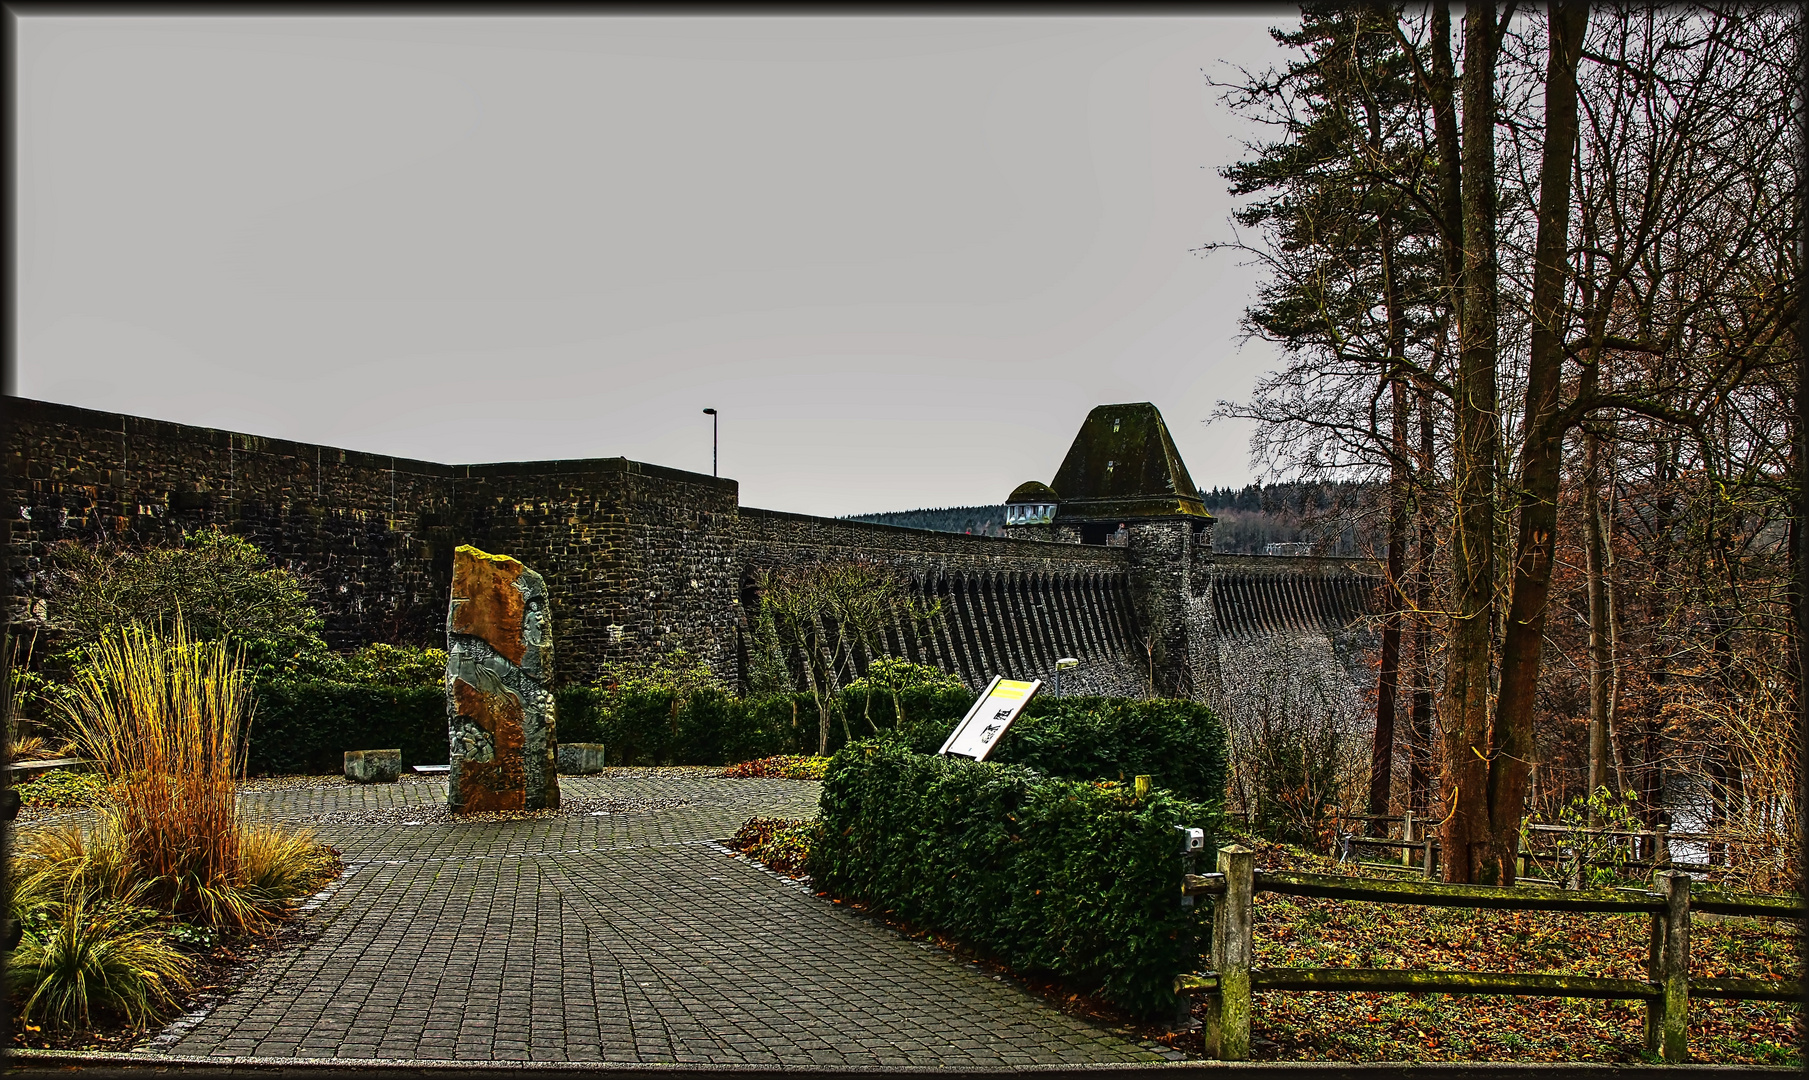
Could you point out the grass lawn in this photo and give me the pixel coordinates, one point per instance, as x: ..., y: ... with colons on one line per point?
x: 1310, y: 932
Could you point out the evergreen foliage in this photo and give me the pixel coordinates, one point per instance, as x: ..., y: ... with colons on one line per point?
x: 1077, y: 879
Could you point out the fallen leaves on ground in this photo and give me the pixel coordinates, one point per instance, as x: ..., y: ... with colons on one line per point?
x: 1310, y: 932
x: 783, y: 844
x: 786, y: 767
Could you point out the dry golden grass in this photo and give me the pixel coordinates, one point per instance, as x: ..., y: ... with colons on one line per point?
x: 161, y: 719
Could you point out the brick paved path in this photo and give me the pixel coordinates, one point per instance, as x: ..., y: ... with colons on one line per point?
x: 628, y: 937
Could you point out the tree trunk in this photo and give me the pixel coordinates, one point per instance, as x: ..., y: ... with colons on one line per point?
x: 1419, y: 782
x: 1465, y: 708
x: 1542, y: 453
x: 1381, y: 766
x: 1601, y: 658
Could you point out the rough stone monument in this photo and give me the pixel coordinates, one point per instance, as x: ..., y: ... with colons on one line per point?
x: 499, y: 662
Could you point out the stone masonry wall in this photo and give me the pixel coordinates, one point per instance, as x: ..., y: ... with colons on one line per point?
x: 639, y: 560
x: 367, y: 530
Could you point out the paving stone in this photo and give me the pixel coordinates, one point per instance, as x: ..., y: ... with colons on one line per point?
x: 628, y: 937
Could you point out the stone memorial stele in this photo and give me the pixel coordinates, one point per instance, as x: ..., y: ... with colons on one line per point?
x: 499, y: 662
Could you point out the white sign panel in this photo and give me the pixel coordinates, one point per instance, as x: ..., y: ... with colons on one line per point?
x: 979, y: 731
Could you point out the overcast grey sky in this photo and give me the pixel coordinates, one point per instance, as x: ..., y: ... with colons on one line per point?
x: 903, y: 256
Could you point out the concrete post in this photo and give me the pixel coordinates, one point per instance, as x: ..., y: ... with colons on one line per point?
x: 1228, y: 1010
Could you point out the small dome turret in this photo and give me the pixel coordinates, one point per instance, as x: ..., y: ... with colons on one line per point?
x: 1031, y: 503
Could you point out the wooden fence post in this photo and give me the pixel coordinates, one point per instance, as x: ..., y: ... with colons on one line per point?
x: 1668, y: 964
x: 1228, y: 1010
x: 1661, y: 844
x: 1406, y: 838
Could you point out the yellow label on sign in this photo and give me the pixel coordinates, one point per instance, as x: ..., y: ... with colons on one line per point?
x: 989, y: 717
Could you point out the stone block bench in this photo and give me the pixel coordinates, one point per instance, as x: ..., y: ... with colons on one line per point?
x: 578, y: 758
x: 373, y: 766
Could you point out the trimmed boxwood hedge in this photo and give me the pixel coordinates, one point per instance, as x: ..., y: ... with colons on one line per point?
x: 1074, y: 878
x: 1180, y: 745
x: 306, y: 726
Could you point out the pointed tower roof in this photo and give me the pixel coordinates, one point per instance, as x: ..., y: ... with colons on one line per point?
x: 1124, y: 464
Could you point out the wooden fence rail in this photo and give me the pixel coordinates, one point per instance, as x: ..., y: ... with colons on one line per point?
x: 1666, y: 989
x: 1648, y: 849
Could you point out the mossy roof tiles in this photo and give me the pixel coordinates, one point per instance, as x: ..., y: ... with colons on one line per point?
x: 1123, y: 464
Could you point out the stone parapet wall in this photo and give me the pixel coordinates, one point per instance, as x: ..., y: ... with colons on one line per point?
x: 780, y: 537
x: 639, y: 559
x: 366, y: 530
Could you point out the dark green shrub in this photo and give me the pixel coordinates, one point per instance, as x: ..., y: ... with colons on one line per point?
x: 306, y: 726
x: 1179, y: 744
x: 1080, y: 880
x: 716, y: 729
x: 641, y: 727
x: 393, y: 665
x: 222, y: 584
x: 578, y: 714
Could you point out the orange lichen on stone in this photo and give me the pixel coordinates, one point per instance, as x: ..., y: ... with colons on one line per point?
x: 485, y: 602
x: 500, y: 783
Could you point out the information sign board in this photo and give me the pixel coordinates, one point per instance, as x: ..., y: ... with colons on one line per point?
x: 979, y: 731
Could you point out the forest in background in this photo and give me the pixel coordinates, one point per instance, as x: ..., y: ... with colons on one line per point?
x: 1335, y: 517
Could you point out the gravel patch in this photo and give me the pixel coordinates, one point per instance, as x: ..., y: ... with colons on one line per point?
x: 330, y: 780
x: 337, y: 780
x: 437, y: 814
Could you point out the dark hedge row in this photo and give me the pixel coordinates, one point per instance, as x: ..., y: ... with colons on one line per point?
x: 1180, y: 745
x: 305, y: 726
x: 1074, y: 878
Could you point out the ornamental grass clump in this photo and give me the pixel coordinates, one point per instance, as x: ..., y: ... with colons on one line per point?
x: 162, y: 718
x: 90, y: 945
x: 88, y: 956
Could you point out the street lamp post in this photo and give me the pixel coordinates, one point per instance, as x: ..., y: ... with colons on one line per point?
x: 711, y: 413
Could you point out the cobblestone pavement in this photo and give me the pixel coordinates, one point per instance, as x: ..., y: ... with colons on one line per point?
x: 622, y: 937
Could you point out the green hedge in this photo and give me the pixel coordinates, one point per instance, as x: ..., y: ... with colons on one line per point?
x: 642, y: 727
x: 1077, y: 879
x: 306, y: 726
x: 1179, y: 744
